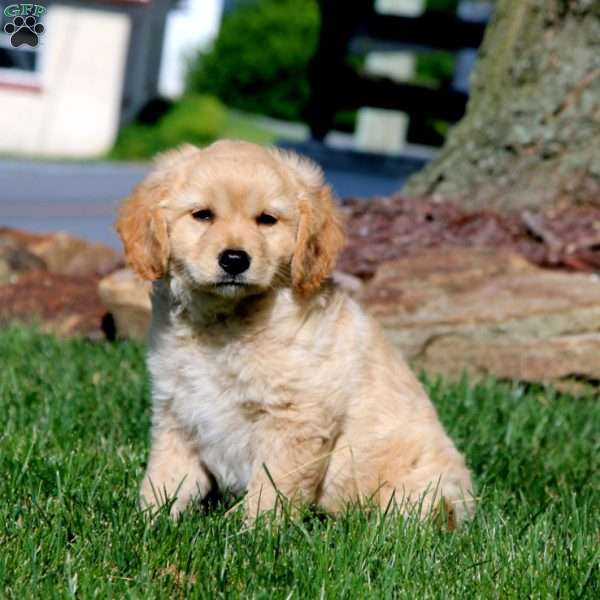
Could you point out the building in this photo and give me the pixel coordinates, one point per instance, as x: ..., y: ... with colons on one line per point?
x: 96, y: 65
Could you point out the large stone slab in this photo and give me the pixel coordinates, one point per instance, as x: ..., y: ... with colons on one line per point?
x: 127, y: 297
x: 489, y: 312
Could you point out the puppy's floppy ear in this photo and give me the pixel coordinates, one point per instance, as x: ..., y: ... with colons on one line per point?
x: 320, y: 235
x: 141, y: 223
x: 143, y: 231
x: 319, y: 240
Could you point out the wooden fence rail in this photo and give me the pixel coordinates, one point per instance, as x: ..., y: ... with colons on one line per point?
x: 336, y: 86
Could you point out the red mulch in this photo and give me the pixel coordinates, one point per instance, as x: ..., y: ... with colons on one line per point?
x: 386, y: 228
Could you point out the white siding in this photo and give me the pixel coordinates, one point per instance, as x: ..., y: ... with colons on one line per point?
x: 76, y: 112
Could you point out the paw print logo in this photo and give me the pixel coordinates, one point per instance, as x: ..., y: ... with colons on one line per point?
x: 24, y: 31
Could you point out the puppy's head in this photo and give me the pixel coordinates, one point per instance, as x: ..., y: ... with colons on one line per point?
x: 233, y: 219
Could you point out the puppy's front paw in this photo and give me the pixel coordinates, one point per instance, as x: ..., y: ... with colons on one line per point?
x: 153, y: 499
x: 457, y: 507
x: 272, y: 504
x: 149, y: 500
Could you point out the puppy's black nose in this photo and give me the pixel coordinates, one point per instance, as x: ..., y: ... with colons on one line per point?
x: 234, y: 262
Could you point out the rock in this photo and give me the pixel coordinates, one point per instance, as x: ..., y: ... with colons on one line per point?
x: 94, y: 259
x: 127, y: 297
x: 489, y: 312
x: 23, y: 238
x: 64, y: 254
x: 15, y: 259
x: 68, y: 255
x: 59, y: 304
x: 5, y: 272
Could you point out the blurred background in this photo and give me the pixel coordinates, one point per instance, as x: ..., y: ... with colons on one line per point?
x: 461, y: 138
x: 369, y: 89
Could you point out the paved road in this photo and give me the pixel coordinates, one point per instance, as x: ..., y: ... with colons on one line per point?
x: 77, y: 197
x: 82, y: 197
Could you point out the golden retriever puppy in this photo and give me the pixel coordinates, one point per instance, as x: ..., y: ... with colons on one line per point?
x: 267, y: 379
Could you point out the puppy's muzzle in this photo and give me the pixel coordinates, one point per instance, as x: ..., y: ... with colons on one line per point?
x: 234, y: 262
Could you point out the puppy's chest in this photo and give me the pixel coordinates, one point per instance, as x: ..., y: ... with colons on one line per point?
x: 223, y: 398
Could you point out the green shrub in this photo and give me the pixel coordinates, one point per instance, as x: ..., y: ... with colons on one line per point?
x: 260, y: 58
x: 194, y: 119
x: 259, y: 61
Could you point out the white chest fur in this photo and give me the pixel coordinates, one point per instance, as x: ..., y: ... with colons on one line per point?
x: 218, y: 396
x: 223, y: 386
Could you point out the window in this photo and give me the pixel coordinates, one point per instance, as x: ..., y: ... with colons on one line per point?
x: 19, y: 66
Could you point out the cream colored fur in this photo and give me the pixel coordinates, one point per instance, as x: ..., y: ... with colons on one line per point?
x: 285, y: 380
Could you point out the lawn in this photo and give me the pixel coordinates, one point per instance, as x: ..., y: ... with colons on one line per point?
x: 72, y: 451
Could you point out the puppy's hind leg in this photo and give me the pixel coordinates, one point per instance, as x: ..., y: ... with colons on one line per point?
x: 446, y: 496
x: 175, y: 472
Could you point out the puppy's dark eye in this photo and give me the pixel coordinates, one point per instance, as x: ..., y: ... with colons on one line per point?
x: 266, y: 219
x: 203, y: 215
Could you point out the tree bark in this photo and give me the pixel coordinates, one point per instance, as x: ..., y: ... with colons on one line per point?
x: 531, y: 134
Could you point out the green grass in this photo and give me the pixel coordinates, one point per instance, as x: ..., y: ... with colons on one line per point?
x: 72, y: 448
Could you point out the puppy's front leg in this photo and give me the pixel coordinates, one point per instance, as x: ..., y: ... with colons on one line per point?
x: 291, y: 462
x: 175, y: 470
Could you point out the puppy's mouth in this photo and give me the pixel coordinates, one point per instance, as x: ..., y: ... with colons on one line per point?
x: 233, y: 287
x: 232, y: 283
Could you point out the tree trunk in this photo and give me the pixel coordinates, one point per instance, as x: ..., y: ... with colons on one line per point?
x: 531, y: 135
